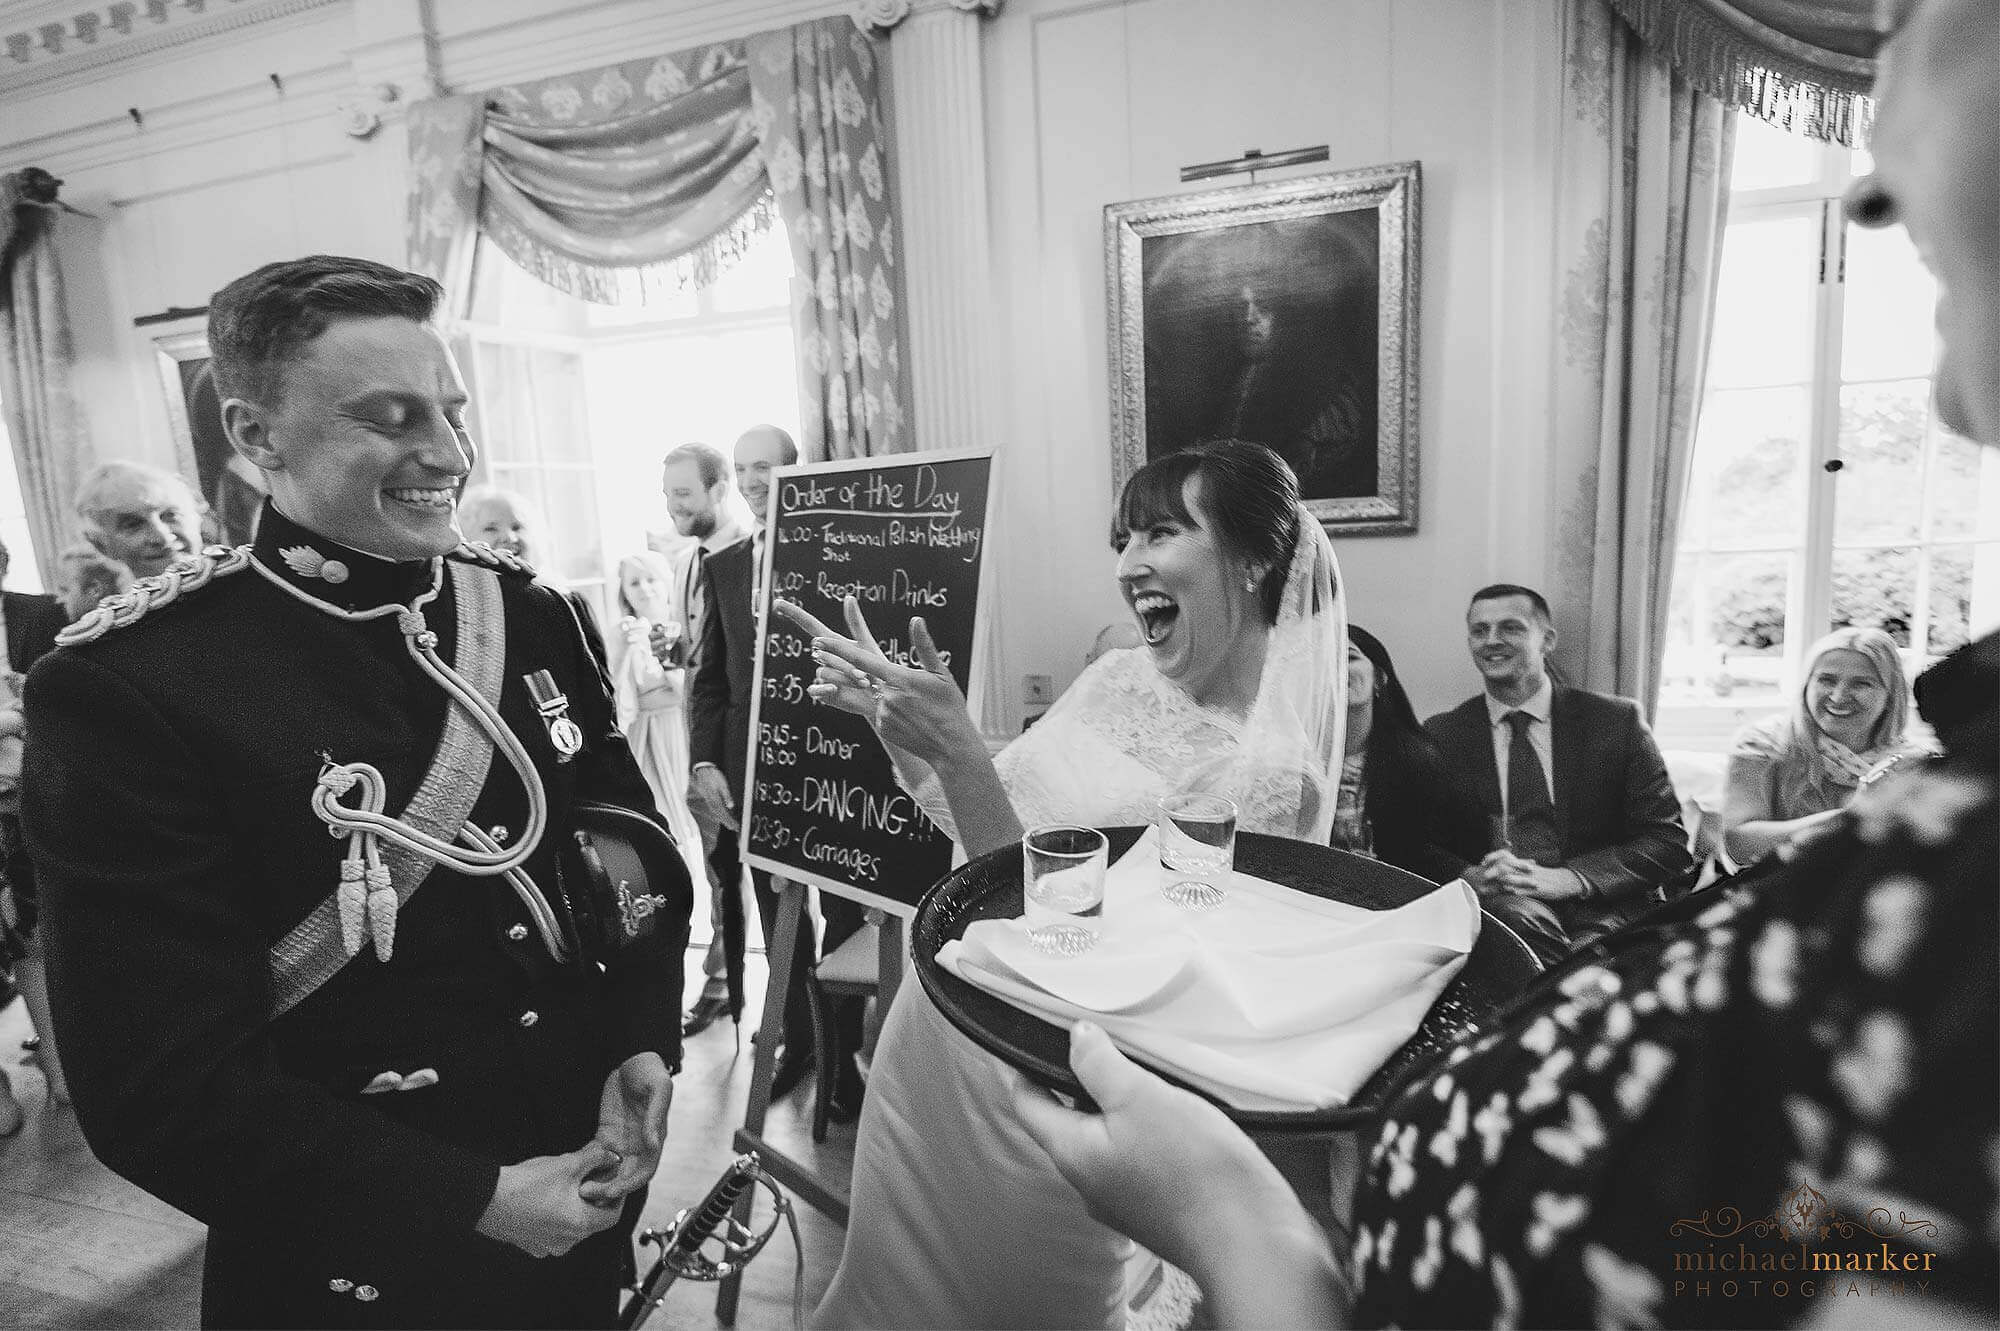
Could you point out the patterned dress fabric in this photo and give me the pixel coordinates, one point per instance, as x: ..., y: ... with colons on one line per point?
x: 1799, y: 1061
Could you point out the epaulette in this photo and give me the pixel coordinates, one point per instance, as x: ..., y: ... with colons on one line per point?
x: 182, y: 578
x: 479, y: 552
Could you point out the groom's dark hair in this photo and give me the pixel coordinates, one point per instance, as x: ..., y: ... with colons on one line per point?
x: 1247, y: 493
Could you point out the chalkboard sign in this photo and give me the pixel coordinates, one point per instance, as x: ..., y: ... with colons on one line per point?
x: 903, y: 535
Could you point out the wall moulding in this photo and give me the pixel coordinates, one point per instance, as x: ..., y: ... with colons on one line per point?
x: 55, y: 45
x: 490, y: 43
x: 247, y: 106
x: 882, y: 15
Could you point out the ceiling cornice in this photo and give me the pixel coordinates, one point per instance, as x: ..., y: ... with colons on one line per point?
x: 58, y: 41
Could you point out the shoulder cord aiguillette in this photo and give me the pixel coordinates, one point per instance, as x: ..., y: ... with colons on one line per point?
x: 366, y: 894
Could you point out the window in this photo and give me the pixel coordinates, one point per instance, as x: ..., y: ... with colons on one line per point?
x: 574, y: 404
x: 1823, y: 490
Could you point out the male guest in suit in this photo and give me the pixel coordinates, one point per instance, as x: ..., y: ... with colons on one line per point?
x: 1578, y: 858
x: 719, y: 743
x: 701, y: 497
x: 400, y: 1088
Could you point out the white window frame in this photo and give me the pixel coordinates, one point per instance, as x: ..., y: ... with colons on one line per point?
x: 1809, y: 582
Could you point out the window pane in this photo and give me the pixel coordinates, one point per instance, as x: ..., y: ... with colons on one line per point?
x: 504, y: 404
x: 1889, y: 317
x: 1955, y: 496
x: 1764, y: 302
x: 1767, y: 156
x: 660, y: 304
x: 1749, y: 452
x: 1951, y: 599
x: 1727, y: 628
x: 1879, y: 496
x: 1876, y: 589
x: 561, y: 426
x: 761, y: 279
x: 570, y: 500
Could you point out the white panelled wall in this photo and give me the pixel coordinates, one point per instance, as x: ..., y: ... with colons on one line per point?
x: 1092, y: 103
x: 1086, y: 102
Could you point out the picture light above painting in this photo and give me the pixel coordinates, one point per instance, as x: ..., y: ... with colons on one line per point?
x: 1283, y: 313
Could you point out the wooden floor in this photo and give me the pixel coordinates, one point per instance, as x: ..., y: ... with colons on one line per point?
x: 80, y: 1247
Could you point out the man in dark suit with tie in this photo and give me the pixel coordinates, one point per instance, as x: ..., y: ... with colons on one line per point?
x: 1604, y: 842
x: 719, y: 705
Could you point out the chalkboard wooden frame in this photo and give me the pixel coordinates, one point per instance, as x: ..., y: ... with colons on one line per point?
x: 975, y: 673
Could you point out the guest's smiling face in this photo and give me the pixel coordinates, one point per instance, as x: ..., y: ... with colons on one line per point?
x: 1845, y: 696
x: 1186, y: 591
x: 146, y: 524
x: 1937, y: 171
x: 644, y: 591
x: 502, y: 526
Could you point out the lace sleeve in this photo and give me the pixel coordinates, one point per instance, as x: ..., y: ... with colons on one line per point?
x: 920, y: 782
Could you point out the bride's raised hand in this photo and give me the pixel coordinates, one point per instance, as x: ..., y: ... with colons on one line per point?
x: 916, y: 708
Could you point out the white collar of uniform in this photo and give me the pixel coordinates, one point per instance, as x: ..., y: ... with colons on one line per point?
x: 1537, y: 706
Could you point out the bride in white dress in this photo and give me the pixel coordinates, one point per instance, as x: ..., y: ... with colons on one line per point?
x: 958, y: 1218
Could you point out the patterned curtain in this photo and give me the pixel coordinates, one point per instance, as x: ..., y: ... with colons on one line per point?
x: 818, y: 113
x: 1644, y: 157
x: 51, y: 445
x: 1805, y: 67
x: 638, y: 177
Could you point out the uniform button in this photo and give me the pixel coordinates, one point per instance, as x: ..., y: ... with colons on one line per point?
x: 499, y: 832
x: 366, y: 1293
x: 518, y: 932
x: 529, y: 1018
x: 339, y: 1286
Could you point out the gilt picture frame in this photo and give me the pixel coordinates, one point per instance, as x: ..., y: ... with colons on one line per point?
x: 232, y: 488
x: 1283, y: 312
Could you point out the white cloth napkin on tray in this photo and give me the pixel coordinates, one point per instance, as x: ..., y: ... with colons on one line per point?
x: 1275, y: 1000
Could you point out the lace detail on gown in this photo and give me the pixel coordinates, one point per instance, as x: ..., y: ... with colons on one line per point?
x: 1119, y: 740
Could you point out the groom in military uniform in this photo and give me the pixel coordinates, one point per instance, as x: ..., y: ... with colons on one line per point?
x: 303, y: 816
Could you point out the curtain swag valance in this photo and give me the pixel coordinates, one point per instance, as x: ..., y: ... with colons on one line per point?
x: 633, y: 180
x: 1803, y: 65
x: 621, y: 183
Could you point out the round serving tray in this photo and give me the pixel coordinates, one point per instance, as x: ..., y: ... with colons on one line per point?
x: 989, y: 888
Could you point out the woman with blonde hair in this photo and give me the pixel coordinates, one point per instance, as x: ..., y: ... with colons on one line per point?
x: 650, y: 692
x: 1795, y: 771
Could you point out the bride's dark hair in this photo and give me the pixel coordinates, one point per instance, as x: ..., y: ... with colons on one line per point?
x: 1247, y: 492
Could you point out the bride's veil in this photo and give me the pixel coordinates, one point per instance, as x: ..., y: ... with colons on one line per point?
x: 1286, y: 770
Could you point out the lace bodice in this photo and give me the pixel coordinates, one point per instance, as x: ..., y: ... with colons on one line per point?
x: 1118, y: 741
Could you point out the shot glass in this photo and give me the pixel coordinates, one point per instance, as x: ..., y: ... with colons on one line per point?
x: 1197, y: 849
x: 1062, y: 881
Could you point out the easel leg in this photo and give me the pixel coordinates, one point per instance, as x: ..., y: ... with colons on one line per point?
x: 791, y: 916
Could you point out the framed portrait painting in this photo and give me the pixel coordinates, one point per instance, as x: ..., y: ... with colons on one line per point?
x: 232, y: 487
x: 1283, y: 313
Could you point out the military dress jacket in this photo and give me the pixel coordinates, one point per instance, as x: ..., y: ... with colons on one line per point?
x: 343, y: 1151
